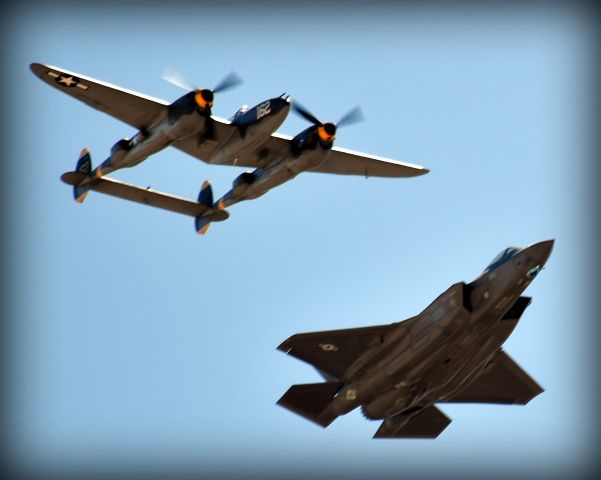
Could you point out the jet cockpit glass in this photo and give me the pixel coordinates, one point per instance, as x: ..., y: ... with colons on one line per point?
x: 502, y: 258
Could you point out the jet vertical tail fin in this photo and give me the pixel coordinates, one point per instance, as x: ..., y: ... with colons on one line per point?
x: 84, y: 165
x: 310, y: 400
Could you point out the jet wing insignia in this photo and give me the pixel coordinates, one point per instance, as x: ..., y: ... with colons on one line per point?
x: 333, y: 351
x: 501, y: 381
x: 133, y: 108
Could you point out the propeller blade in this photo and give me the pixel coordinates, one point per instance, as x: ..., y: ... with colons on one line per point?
x: 228, y: 82
x: 306, y: 114
x: 353, y: 116
x: 175, y: 78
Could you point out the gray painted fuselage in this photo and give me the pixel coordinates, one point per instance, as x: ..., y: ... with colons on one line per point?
x: 445, y: 347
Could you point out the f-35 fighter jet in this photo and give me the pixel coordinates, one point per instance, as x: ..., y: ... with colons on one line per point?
x: 450, y: 352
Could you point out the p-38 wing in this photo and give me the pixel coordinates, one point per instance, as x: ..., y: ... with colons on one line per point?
x: 341, y: 161
x: 142, y: 112
x: 135, y: 109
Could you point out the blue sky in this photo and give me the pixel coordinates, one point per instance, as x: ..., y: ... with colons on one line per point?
x: 135, y: 342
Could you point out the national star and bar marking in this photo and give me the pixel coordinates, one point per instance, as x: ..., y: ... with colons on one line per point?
x: 68, y: 80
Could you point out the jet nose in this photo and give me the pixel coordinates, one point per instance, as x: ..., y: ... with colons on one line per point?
x: 541, y: 251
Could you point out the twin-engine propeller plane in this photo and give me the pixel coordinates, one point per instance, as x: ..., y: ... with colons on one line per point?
x: 449, y: 353
x: 247, y: 139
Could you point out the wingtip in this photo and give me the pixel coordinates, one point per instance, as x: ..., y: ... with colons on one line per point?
x: 66, y: 178
x: 35, y: 68
x: 38, y: 68
x: 286, y: 345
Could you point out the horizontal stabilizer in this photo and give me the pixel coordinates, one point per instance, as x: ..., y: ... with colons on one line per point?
x: 501, y: 381
x: 145, y: 196
x: 427, y: 423
x: 310, y: 400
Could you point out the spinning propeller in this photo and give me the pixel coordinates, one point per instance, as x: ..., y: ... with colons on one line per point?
x: 202, y: 96
x: 327, y: 130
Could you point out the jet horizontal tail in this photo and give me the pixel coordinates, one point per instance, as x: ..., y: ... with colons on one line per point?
x: 428, y: 423
x: 310, y: 400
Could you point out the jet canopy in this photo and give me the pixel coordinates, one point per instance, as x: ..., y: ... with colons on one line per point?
x: 501, y: 258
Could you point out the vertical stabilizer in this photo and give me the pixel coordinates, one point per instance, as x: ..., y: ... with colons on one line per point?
x: 84, y: 165
x: 310, y: 400
x: 205, y: 196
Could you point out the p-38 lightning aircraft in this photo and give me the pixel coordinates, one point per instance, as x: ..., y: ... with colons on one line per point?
x: 247, y: 139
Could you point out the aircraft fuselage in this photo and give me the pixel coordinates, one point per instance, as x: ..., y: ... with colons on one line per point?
x: 185, y: 119
x: 255, y: 126
x: 446, y: 346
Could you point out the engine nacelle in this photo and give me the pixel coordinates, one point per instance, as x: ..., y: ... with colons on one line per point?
x: 386, y: 405
x: 119, y: 150
x: 242, y: 182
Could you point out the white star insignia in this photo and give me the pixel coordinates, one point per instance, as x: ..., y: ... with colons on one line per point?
x: 68, y: 81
